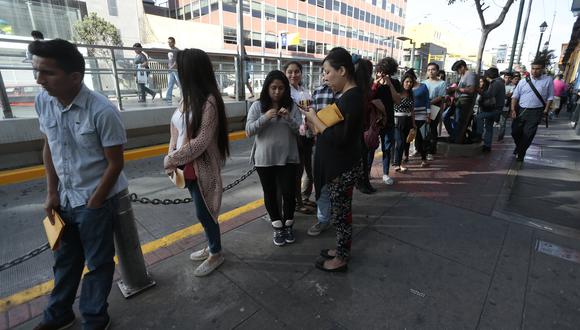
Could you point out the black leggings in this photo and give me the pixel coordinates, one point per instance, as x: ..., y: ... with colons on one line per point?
x: 283, y: 176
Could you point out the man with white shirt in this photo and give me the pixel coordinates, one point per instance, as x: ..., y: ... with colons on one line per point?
x: 527, y: 108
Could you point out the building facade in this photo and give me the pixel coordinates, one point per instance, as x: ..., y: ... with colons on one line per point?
x: 366, y: 27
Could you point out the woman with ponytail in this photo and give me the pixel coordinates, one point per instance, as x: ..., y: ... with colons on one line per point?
x: 337, y: 161
x: 199, y: 143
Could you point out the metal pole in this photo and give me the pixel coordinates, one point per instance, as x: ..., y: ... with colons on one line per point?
x: 525, y: 29
x: 240, y: 38
x: 412, y: 54
x: 134, y: 275
x: 516, y: 33
x: 311, y: 78
x: 6, y: 109
x: 539, y: 43
x: 236, y: 66
x: 392, y: 41
x: 117, y: 88
x: 29, y: 5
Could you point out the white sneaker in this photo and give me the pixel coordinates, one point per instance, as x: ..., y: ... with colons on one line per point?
x: 200, y: 255
x: 206, y: 267
x: 430, y: 157
x: 388, y: 180
x: 572, y: 124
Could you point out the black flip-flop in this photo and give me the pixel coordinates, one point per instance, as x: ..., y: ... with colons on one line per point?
x: 320, y: 265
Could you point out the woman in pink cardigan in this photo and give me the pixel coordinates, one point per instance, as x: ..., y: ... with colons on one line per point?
x: 200, y: 146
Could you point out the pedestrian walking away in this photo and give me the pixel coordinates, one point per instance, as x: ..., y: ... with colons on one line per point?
x: 531, y: 101
x: 172, y: 77
x: 199, y: 146
x: 337, y: 161
x: 83, y: 158
x: 490, y: 107
x: 274, y: 121
x: 141, y: 76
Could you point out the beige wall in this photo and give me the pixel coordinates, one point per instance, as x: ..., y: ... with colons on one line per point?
x: 187, y: 34
x: 127, y: 19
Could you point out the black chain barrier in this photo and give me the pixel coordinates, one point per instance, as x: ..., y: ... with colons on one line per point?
x: 134, y: 198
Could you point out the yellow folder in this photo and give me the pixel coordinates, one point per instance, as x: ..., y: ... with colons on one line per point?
x: 330, y: 115
x: 54, y: 232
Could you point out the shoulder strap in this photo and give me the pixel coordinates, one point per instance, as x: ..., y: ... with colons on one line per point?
x: 529, y: 81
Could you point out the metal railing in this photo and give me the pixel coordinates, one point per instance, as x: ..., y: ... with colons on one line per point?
x: 111, y: 71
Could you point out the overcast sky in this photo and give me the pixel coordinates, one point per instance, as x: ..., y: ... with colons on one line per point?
x: 462, y: 16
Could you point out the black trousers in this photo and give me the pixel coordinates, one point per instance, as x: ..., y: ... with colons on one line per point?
x: 524, y: 128
x: 271, y: 178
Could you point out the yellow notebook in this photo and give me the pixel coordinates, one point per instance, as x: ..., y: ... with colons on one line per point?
x: 330, y: 115
x: 53, y: 232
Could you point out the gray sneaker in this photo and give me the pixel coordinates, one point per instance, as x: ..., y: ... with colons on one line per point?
x: 318, y: 228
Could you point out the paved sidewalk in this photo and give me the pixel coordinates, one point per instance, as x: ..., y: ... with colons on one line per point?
x: 429, y: 252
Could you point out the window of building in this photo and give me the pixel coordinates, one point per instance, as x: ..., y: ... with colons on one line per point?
x: 291, y: 18
x: 368, y: 18
x: 213, y: 5
x: 374, y: 2
x: 350, y: 11
x: 310, y: 47
x: 229, y: 6
x: 336, y: 6
x: 373, y: 19
x: 204, y: 7
x: 320, y: 25
x: 195, y: 9
x: 384, y: 6
x: 401, y: 12
x: 311, y: 22
x: 335, y: 28
x: 256, y: 39
x: 327, y: 26
x: 302, y: 20
x: 270, y: 12
x: 392, y: 8
x: 343, y: 8
x: 342, y: 31
x: 187, y: 11
x: 312, y: 2
x: 320, y: 3
x: 246, y: 8
x: 230, y: 35
x: 281, y: 15
x: 271, y: 40
x: 349, y: 32
x: 354, y: 33
x: 112, y: 6
x: 319, y: 48
x: 362, y: 15
x: 328, y: 4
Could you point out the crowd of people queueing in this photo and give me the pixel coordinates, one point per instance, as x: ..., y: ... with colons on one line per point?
x: 341, y: 123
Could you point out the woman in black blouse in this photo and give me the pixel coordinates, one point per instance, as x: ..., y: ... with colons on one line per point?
x: 337, y: 161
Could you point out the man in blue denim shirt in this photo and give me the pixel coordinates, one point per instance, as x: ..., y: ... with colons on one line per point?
x: 83, y: 158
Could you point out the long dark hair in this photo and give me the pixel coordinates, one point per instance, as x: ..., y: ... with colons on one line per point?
x: 197, y: 80
x: 411, y: 75
x: 266, y: 101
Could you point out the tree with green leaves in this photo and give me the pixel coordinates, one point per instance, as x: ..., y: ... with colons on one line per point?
x: 94, y: 30
x: 486, y: 28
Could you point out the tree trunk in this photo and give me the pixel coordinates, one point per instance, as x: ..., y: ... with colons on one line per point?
x: 482, y: 41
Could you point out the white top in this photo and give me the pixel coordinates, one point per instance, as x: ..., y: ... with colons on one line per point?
x: 179, y: 123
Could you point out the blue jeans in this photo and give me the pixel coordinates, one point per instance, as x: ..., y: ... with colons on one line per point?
x: 387, y: 143
x: 323, y: 205
x: 172, y: 80
x: 87, y: 236
x: 485, y: 120
x: 211, y: 228
x: 450, y: 123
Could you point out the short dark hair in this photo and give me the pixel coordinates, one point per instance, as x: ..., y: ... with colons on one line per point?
x: 67, y: 56
x: 387, y: 65
x: 171, y: 38
x: 433, y: 64
x: 137, y: 45
x: 458, y: 64
x: 37, y: 35
x: 491, y: 73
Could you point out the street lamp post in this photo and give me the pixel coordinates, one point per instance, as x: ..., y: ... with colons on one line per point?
x: 412, y: 49
x: 543, y: 27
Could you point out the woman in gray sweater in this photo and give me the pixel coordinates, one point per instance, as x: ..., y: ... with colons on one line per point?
x: 274, y: 120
